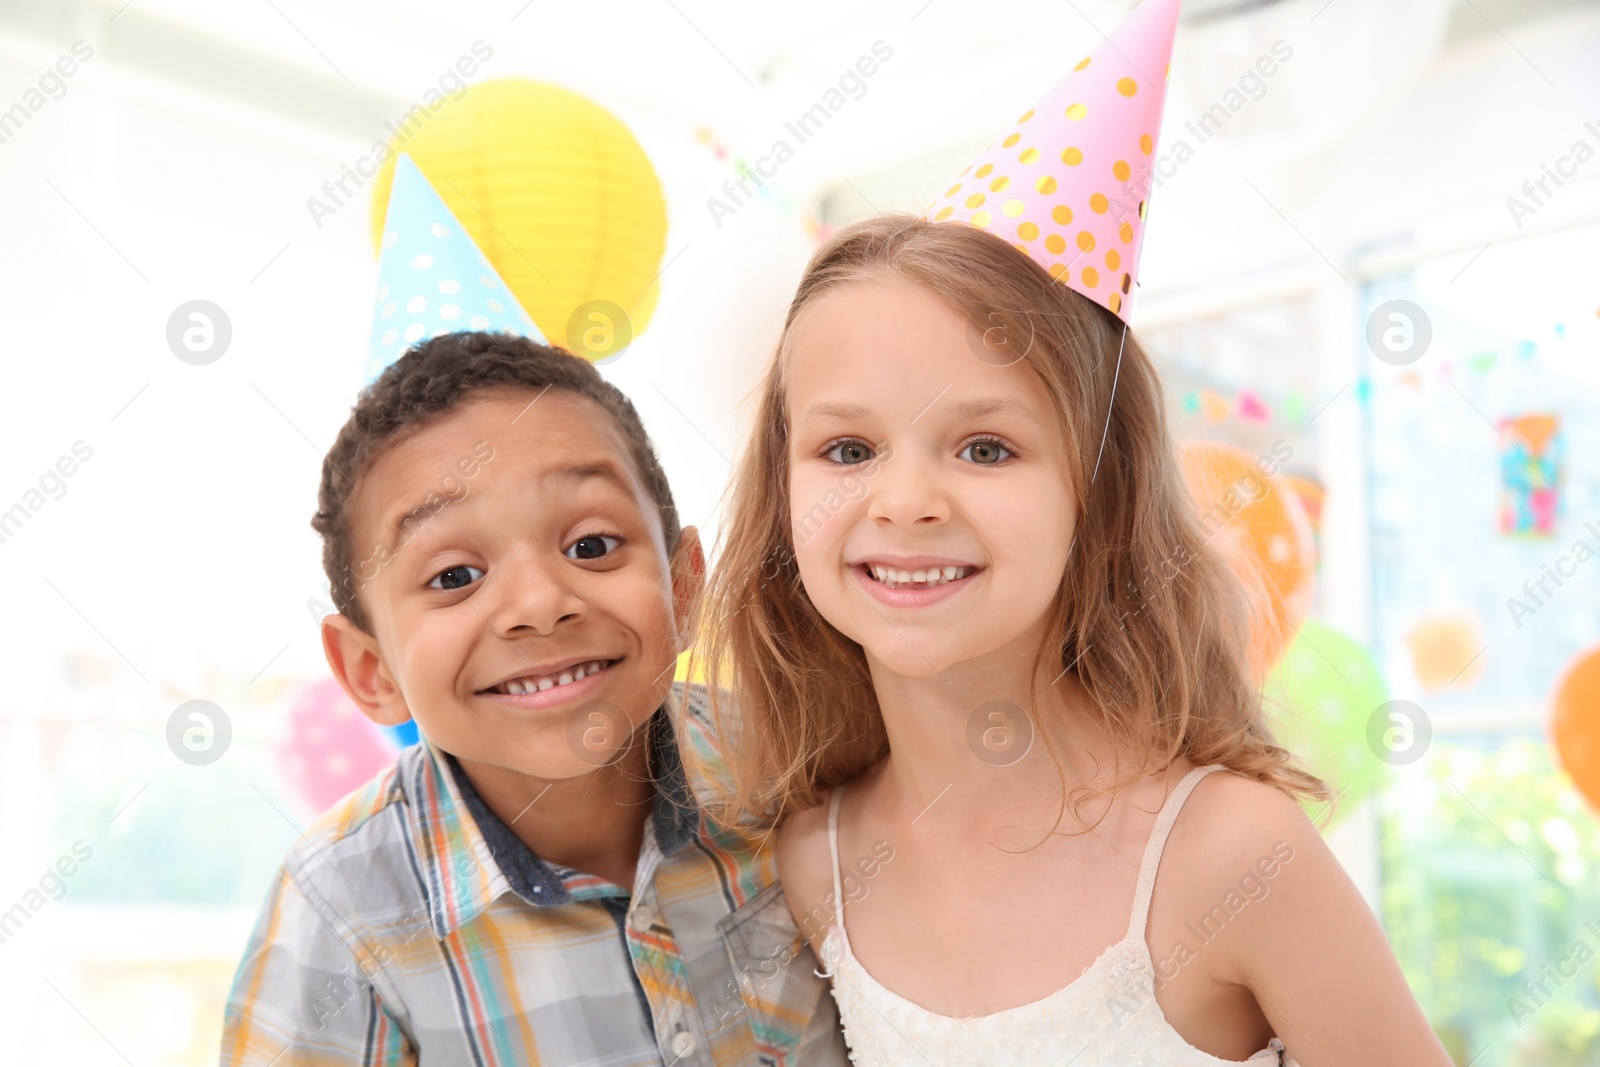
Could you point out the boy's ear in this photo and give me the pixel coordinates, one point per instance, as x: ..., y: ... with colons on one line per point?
x: 353, y: 656
x: 688, y: 581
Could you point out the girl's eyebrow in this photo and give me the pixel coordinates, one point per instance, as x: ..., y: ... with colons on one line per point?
x: 971, y: 409
x: 967, y: 409
x: 831, y: 410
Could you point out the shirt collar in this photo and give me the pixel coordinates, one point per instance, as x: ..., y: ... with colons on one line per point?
x: 468, y: 857
x: 676, y: 814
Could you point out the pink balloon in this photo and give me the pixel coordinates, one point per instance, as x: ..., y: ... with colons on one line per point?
x: 331, y: 748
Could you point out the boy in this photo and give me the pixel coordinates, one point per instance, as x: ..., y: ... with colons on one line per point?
x: 534, y: 883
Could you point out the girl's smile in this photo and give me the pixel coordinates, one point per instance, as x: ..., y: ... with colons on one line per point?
x: 912, y: 582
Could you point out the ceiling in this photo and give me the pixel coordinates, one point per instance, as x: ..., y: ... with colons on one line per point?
x: 280, y: 54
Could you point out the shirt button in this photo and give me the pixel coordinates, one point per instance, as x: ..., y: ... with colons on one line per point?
x: 643, y: 917
x: 682, y: 1043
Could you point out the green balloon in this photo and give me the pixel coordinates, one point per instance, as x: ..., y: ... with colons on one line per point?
x: 1318, y: 701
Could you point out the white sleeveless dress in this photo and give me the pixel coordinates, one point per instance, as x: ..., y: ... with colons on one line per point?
x: 1107, y: 1017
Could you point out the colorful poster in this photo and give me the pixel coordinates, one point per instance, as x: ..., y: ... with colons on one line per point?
x: 1530, y: 474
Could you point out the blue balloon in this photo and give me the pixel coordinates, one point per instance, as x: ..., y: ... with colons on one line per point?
x: 404, y: 735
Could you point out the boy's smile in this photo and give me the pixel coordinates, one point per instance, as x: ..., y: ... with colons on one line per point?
x: 549, y: 684
x: 530, y: 621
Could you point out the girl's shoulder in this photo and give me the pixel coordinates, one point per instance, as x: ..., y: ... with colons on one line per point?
x: 805, y: 864
x: 1234, y: 807
x: 1301, y: 938
x: 1230, y: 822
x: 1237, y: 842
x: 803, y: 837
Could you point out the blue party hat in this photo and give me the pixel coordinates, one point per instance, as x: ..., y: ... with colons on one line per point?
x: 432, y: 278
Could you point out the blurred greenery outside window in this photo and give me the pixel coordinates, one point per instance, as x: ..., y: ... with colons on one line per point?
x: 1491, y: 899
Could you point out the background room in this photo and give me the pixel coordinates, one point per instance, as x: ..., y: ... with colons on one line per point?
x: 1376, y: 263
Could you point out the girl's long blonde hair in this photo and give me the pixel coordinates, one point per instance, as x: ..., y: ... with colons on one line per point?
x: 1151, y: 620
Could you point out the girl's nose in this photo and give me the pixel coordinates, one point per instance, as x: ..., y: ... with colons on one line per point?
x: 909, y: 490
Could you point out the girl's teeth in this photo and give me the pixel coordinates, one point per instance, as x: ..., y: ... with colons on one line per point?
x: 932, y: 577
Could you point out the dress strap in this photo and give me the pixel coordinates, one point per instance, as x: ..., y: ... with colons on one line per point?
x: 1158, y: 840
x: 833, y: 850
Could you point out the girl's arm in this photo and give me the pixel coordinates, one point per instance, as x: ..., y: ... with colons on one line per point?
x: 1310, y: 950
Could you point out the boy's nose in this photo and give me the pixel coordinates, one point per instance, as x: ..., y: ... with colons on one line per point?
x: 532, y: 594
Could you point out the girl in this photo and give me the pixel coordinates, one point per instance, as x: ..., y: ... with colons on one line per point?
x: 988, y: 666
x: 991, y: 672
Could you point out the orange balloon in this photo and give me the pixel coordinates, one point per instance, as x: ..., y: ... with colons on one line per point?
x: 1575, y: 726
x: 1311, y: 495
x: 1447, y: 651
x: 1262, y: 530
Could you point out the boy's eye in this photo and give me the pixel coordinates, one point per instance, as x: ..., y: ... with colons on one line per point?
x: 457, y: 577
x: 849, y: 453
x: 985, y: 452
x: 592, y: 547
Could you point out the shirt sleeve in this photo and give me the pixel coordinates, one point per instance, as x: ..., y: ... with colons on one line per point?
x: 301, y: 997
x: 704, y: 751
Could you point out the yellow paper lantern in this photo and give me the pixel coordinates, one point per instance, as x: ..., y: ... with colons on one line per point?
x: 689, y: 670
x: 559, y: 196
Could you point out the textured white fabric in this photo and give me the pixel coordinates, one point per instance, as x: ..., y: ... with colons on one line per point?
x: 1107, y: 1017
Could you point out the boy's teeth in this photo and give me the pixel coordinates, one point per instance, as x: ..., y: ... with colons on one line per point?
x: 538, y: 684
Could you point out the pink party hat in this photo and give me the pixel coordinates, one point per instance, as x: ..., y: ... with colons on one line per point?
x: 1067, y: 185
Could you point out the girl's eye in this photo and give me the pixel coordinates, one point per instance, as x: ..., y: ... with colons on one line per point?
x: 849, y: 453
x: 457, y: 577
x: 593, y: 547
x: 986, y: 452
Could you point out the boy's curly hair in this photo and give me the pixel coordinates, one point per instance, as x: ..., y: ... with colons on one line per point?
x: 432, y: 379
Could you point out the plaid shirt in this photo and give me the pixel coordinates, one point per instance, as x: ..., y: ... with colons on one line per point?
x: 411, y: 926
